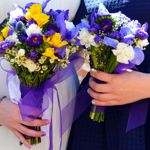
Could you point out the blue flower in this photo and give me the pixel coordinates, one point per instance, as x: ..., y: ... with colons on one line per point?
x: 34, y: 40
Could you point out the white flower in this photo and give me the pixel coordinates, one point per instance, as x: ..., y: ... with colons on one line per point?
x: 16, y: 13
x: 33, y: 28
x: 142, y: 43
x: 86, y: 38
x: 69, y: 25
x: 30, y: 65
x: 21, y: 52
x: 124, y: 53
x: 86, y: 55
x: 13, y: 38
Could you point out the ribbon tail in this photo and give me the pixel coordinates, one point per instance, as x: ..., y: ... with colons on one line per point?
x: 60, y: 113
x: 51, y: 120
x: 137, y: 114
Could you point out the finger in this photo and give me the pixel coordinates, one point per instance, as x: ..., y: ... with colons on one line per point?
x: 22, y: 139
x: 101, y: 75
x: 100, y: 96
x: 99, y: 87
x: 29, y: 132
x: 104, y: 103
x: 36, y: 123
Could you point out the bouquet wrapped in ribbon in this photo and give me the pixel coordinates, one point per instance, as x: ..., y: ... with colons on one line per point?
x: 115, y: 43
x: 39, y: 46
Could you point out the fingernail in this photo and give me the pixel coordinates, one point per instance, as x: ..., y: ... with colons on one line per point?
x: 47, y: 121
x: 43, y: 134
x: 88, y: 91
x: 93, y: 102
x: 93, y: 70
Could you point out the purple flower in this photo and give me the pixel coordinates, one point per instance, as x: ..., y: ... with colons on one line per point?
x: 125, y: 31
x: 141, y: 34
x: 128, y: 39
x: 60, y: 22
x: 145, y: 27
x: 31, y: 22
x: 5, y: 44
x: 22, y: 37
x: 116, y: 35
x: 33, y: 55
x: 61, y: 52
x: 3, y: 22
x: 29, y: 5
x: 49, y: 33
x: 98, y: 39
x: 34, y: 40
x: 10, y: 32
x: 106, y: 25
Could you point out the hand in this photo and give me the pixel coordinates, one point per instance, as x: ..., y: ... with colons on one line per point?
x: 119, y: 89
x: 10, y: 117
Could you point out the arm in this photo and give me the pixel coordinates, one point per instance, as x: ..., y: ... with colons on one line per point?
x: 119, y: 89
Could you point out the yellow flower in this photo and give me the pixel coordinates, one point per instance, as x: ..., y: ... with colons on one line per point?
x: 56, y: 41
x: 41, y: 19
x: 5, y: 31
x: 35, y: 12
x: 49, y: 52
x: 1, y: 38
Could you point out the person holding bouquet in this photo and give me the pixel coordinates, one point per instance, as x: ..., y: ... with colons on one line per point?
x: 119, y: 92
x: 11, y: 120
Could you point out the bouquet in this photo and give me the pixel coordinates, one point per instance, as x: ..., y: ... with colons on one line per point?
x: 38, y: 45
x: 115, y: 43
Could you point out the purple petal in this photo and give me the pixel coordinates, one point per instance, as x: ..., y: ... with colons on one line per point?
x: 110, y: 42
x: 61, y: 25
x: 121, y: 68
x: 141, y: 34
x: 61, y: 52
x: 98, y: 39
x: 125, y: 31
x: 49, y: 33
x: 139, y: 56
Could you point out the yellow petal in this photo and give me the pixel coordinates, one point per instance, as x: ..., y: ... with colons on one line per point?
x: 35, y: 9
x: 5, y: 31
x: 1, y: 38
x: 49, y: 52
x: 41, y: 19
x: 56, y: 41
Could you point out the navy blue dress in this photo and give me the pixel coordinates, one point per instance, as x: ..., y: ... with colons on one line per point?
x: 112, y: 135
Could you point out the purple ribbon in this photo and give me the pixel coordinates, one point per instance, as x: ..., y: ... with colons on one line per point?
x: 138, y: 111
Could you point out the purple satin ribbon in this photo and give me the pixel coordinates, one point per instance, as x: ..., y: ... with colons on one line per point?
x: 138, y: 111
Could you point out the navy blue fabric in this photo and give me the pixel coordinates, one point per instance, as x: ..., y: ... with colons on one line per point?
x: 112, y: 135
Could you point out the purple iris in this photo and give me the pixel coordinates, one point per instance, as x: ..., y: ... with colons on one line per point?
x: 98, y: 39
x: 49, y: 33
x: 141, y: 34
x: 31, y: 21
x: 61, y: 52
x: 106, y: 25
x: 128, y: 39
x: 29, y: 5
x: 6, y: 44
x: 116, y: 35
x: 34, y: 40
